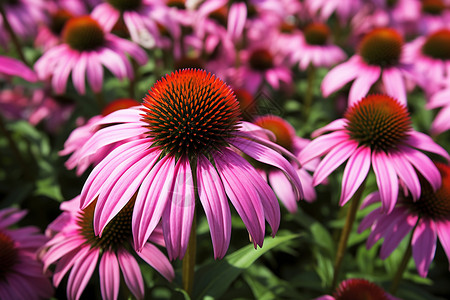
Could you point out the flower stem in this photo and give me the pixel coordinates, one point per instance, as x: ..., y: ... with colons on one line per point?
x: 402, y: 266
x: 350, y: 219
x: 13, y: 36
x: 311, y: 78
x: 189, y: 259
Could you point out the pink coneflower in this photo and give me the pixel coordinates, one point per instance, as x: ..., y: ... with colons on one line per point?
x: 85, y: 48
x: 440, y: 122
x: 375, y: 131
x: 380, y: 54
x: 431, y: 57
x: 140, y: 17
x: 50, y: 35
x: 286, y: 137
x: 21, y: 275
x: 75, y: 246
x: 190, y: 123
x: 82, y: 134
x: 427, y: 217
x: 358, y: 289
x: 314, y: 48
x: 435, y: 14
x: 12, y: 67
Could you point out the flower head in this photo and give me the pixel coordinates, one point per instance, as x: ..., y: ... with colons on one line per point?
x: 75, y: 246
x: 427, y: 217
x: 375, y: 131
x: 21, y: 274
x: 187, y: 132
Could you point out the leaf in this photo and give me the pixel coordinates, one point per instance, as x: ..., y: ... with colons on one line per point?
x: 214, y: 278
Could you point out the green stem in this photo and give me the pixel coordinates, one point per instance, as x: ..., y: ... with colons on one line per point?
x: 311, y: 79
x: 402, y: 266
x: 188, y: 266
x: 13, y: 36
x: 350, y: 219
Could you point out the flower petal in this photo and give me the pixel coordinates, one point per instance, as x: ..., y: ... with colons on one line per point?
x: 355, y: 173
x: 361, y: 86
x: 109, y: 276
x: 424, y: 245
x: 155, y: 258
x: 131, y: 273
x: 394, y: 84
x: 321, y: 145
x: 81, y: 274
x: 443, y: 229
x: 339, y: 76
x: 387, y: 180
x: 406, y: 173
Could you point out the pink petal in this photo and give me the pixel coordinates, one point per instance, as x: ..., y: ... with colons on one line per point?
x: 131, y: 273
x: 66, y: 262
x: 322, y: 145
x: 339, y: 76
x: 424, y: 165
x: 443, y: 229
x: 439, y: 99
x: 370, y: 199
x: 336, y: 157
x: 62, y: 72
x: 114, y: 62
x: 94, y: 72
x: 61, y: 249
x: 79, y: 72
x: 396, y: 234
x: 109, y: 276
x: 241, y: 194
x: 335, y: 125
x: 127, y: 115
x: 152, y: 199
x: 422, y: 141
x: 179, y: 213
x: 369, y: 219
x: 237, y: 16
x: 424, y: 245
x: 406, y: 173
x: 394, y: 84
x: 355, y: 173
x: 11, y: 66
x: 387, y: 180
x: 283, y: 189
x: 381, y: 227
x: 361, y: 86
x: 215, y: 203
x: 440, y: 122
x: 271, y: 157
x: 81, y: 274
x: 155, y: 258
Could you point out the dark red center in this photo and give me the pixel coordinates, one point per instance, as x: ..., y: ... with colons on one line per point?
x: 8, y: 255
x: 58, y: 20
x: 381, y: 47
x: 119, y: 104
x: 437, y: 45
x: 124, y: 5
x: 359, y: 289
x: 282, y: 130
x: 433, y: 7
x: 261, y: 59
x: 83, y: 33
x: 316, y: 34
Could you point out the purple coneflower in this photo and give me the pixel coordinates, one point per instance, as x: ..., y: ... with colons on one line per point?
x: 189, y: 126
x: 358, y: 289
x: 75, y: 246
x: 86, y: 47
x: 427, y: 217
x: 440, y: 122
x: 21, y: 275
x: 12, y: 67
x: 380, y: 54
x: 375, y: 131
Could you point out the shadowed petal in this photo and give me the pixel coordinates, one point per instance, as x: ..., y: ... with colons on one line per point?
x: 396, y: 234
x: 424, y: 245
x: 81, y: 274
x: 215, y: 203
x: 443, y: 229
x: 131, y: 273
x: 283, y: 189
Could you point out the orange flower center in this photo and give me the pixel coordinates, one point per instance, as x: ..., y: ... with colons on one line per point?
x: 124, y: 5
x: 358, y: 289
x: 261, y: 59
x: 437, y: 45
x: 83, y: 33
x: 282, y: 130
x: 433, y: 7
x: 381, y: 47
x: 379, y: 122
x: 247, y: 103
x: 316, y: 34
x: 8, y: 255
x: 119, y: 104
x: 190, y: 112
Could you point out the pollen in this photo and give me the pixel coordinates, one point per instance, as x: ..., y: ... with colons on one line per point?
x: 381, y: 47
x: 356, y: 289
x: 190, y: 112
x: 437, y: 45
x: 8, y: 254
x: 316, y: 34
x: 261, y: 59
x: 83, y: 33
x: 431, y: 204
x: 379, y: 122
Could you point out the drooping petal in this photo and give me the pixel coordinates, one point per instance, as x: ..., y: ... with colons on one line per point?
x: 179, y: 212
x: 109, y: 276
x: 155, y: 258
x: 131, y: 273
x: 355, y: 173
x: 361, y: 86
x: 443, y: 229
x: 79, y: 74
x: 424, y: 245
x: 396, y: 234
x: 11, y: 66
x: 151, y: 200
x: 406, y: 173
x: 66, y: 262
x: 81, y: 274
x: 335, y: 125
x: 339, y: 76
x: 241, y: 194
x: 94, y: 72
x: 387, y: 180
x: 334, y: 159
x: 215, y: 203
x: 424, y: 142
x: 321, y: 145
x: 369, y: 219
x: 283, y: 189
x: 394, y: 84
x: 237, y: 16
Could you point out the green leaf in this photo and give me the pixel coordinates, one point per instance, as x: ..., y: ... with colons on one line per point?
x: 214, y: 278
